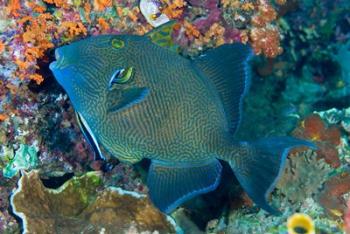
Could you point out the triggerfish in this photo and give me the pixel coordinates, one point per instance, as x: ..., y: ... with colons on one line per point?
x: 139, y: 100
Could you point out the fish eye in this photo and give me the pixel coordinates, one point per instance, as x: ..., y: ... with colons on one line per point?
x: 117, y: 43
x: 121, y: 76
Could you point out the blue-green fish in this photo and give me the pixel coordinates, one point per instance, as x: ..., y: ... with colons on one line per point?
x: 139, y: 100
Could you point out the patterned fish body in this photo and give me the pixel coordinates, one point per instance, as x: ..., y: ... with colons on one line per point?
x: 139, y: 100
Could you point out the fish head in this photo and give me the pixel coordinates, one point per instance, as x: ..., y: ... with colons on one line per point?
x: 99, y: 71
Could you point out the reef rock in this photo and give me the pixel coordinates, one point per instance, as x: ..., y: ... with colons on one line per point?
x: 81, y: 205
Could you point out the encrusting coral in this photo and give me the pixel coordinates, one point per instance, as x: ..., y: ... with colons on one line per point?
x: 327, y: 138
x: 303, y: 176
x: 80, y: 206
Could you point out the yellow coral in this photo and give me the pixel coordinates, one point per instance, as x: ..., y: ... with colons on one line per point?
x: 13, y: 6
x: 247, y: 6
x: 300, y: 223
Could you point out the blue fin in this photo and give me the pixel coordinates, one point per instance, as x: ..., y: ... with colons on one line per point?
x: 227, y: 67
x: 171, y: 185
x: 122, y: 99
x: 260, y: 167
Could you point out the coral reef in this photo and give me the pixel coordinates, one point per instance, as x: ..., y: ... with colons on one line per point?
x: 302, y: 89
x: 331, y: 197
x: 79, y: 206
x: 326, y: 138
x: 25, y: 158
x: 303, y: 177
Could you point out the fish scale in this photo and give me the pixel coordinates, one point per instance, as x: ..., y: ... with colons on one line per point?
x: 179, y: 113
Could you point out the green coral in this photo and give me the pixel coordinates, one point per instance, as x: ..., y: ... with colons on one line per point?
x: 25, y: 158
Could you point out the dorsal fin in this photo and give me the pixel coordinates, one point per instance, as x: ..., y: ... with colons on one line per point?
x: 227, y: 67
x: 162, y: 35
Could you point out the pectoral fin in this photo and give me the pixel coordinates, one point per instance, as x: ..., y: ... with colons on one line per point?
x: 171, y: 185
x: 121, y: 99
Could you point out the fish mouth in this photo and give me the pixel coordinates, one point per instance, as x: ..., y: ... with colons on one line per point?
x: 60, y: 62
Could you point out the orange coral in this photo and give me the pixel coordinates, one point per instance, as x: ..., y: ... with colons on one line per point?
x: 173, y: 9
x: 215, y: 35
x: 103, y: 23
x: 87, y: 10
x: 281, y: 2
x: 331, y: 198
x: 2, y: 47
x: 266, y: 14
x: 3, y: 117
x: 266, y: 41
x: 326, y: 138
x: 37, y: 78
x: 36, y: 8
x: 264, y: 37
x: 313, y: 127
x: 101, y: 5
x: 190, y: 30
x: 13, y: 7
x: 316, y: 130
x: 58, y: 3
x: 72, y: 29
x: 36, y: 43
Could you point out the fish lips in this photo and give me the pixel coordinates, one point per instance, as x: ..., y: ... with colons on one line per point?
x: 60, y: 62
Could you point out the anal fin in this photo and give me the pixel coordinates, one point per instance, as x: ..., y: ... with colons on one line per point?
x: 171, y: 185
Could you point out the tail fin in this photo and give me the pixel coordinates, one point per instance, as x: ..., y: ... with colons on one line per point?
x: 261, y: 164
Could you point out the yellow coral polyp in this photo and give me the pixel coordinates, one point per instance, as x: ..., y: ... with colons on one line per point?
x: 300, y: 224
x: 248, y: 6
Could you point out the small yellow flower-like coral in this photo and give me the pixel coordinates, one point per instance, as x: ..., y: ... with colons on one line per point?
x: 300, y: 224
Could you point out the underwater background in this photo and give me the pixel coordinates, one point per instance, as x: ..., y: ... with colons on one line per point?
x: 300, y: 86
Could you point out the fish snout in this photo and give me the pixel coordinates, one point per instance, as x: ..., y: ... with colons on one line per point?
x: 60, y: 62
